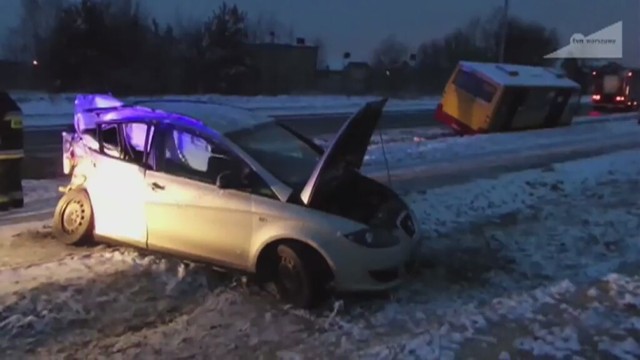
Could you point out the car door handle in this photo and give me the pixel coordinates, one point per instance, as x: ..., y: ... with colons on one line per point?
x: 155, y: 186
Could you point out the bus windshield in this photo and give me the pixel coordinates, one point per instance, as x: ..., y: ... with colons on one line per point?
x: 474, y: 85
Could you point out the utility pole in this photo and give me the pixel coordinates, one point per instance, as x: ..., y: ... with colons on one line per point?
x: 505, y: 25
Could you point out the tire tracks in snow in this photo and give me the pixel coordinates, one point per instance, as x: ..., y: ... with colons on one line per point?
x: 82, y: 297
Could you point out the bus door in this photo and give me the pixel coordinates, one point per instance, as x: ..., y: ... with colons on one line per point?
x: 557, y: 107
x: 512, y: 103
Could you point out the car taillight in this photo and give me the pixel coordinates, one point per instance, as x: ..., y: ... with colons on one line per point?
x: 69, y: 161
x: 595, y: 97
x: 619, y: 98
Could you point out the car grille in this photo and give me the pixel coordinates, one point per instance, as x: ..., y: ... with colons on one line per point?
x: 405, y: 222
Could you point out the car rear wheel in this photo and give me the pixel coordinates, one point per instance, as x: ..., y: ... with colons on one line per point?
x: 295, y: 279
x: 73, y: 218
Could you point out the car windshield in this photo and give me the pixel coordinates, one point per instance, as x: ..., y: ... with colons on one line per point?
x: 280, y: 152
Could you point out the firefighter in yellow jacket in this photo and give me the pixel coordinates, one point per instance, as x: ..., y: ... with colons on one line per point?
x: 11, y: 153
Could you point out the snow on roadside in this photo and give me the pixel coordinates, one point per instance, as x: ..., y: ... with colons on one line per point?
x: 43, y: 109
x: 406, y: 137
x: 48, y: 104
x: 40, y: 197
x: 43, y: 103
x: 531, y: 263
x: 447, y: 209
x: 422, y: 151
x: 521, y: 262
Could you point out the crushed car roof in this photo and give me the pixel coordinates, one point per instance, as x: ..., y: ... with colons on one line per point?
x: 221, y: 118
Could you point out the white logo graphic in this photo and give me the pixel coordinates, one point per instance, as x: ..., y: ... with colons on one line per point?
x: 603, y: 44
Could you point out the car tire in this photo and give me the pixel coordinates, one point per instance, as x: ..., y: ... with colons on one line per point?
x: 73, y: 218
x: 295, y: 279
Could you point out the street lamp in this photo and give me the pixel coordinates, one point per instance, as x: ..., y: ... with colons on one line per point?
x: 505, y: 25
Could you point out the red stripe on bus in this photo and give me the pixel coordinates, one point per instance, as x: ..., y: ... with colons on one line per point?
x: 453, y: 123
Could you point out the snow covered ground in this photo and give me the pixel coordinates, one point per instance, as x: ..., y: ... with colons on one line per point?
x: 47, y: 109
x: 42, y: 103
x: 40, y: 197
x: 416, y: 148
x: 530, y: 264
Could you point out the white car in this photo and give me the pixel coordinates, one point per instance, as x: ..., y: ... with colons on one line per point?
x: 236, y: 190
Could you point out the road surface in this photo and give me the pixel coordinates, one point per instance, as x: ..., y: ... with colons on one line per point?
x: 44, y: 140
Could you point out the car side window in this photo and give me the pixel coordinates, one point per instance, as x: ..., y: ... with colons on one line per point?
x: 135, y: 143
x: 187, y: 155
x: 110, y: 141
x: 194, y: 157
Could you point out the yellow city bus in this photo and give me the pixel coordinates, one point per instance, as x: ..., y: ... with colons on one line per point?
x: 490, y: 97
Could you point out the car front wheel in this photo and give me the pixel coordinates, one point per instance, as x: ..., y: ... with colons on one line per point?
x: 73, y: 218
x: 295, y: 279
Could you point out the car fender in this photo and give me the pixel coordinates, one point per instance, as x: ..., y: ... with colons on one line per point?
x: 81, y: 174
x: 303, y: 237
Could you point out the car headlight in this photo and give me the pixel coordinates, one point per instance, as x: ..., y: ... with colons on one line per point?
x: 407, y: 224
x: 368, y: 238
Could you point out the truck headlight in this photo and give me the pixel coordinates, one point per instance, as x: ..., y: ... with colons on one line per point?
x: 370, y: 239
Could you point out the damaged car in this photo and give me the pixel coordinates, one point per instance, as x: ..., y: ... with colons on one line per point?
x: 236, y: 190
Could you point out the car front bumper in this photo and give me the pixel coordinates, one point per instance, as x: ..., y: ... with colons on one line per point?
x: 368, y: 269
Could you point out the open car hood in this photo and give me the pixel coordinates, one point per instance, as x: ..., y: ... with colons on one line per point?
x: 347, y: 150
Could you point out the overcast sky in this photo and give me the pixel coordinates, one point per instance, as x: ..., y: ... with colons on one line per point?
x: 358, y: 25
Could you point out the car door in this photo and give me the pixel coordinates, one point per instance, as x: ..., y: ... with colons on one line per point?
x: 117, y: 185
x: 187, y: 214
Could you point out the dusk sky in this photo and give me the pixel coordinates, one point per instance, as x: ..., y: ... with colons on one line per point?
x: 358, y: 25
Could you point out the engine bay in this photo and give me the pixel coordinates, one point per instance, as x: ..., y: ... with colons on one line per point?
x: 362, y: 199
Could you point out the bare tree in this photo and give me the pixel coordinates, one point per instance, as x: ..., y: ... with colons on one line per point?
x: 391, y: 52
x: 37, y: 18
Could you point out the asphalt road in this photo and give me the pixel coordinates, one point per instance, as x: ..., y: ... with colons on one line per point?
x: 41, y: 140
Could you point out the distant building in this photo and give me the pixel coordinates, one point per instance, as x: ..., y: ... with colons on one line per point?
x: 284, y: 68
x: 330, y: 81
x: 357, y: 77
x: 354, y: 78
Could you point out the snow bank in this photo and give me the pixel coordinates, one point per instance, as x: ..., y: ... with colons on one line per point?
x: 421, y: 151
x: 46, y: 104
x: 47, y: 109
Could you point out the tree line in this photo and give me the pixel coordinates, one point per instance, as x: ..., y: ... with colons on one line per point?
x: 100, y: 45
x: 526, y: 43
